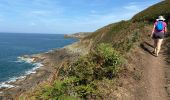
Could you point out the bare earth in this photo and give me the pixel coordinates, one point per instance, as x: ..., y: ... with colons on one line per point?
x: 154, y: 81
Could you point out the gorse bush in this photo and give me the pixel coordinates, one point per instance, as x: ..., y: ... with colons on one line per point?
x: 108, y: 59
x: 103, y: 62
x: 83, y: 70
x: 60, y: 90
x: 80, y: 82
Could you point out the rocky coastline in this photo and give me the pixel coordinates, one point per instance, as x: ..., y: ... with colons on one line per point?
x: 51, y: 62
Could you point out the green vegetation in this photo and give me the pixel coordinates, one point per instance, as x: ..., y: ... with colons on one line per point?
x: 122, y: 35
x: 80, y: 79
x: 153, y: 12
x: 91, y: 76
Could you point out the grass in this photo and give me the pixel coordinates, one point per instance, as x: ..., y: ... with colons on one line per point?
x: 151, y: 14
x: 93, y: 76
x: 121, y: 35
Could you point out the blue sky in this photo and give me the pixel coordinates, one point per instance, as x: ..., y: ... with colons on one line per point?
x: 65, y: 16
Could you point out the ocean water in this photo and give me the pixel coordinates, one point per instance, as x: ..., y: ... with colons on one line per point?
x: 14, y: 45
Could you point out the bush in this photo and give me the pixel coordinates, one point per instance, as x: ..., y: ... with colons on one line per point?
x: 60, y: 90
x: 83, y: 70
x: 103, y: 63
x: 108, y: 59
x: 132, y: 39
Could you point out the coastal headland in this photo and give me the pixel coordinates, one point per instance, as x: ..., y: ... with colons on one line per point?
x: 51, y: 62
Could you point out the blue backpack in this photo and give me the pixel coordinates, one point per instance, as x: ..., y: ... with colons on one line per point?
x: 159, y: 26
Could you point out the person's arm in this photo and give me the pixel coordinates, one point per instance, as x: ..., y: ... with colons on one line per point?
x: 165, y: 29
x: 153, y: 30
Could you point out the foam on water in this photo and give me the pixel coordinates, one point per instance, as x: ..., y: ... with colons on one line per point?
x: 4, y: 85
x: 13, y: 45
x: 32, y: 71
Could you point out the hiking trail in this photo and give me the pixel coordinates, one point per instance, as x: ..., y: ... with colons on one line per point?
x: 154, y: 80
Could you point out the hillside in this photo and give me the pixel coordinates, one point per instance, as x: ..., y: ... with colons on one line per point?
x: 118, y: 33
x: 118, y: 64
x: 151, y: 13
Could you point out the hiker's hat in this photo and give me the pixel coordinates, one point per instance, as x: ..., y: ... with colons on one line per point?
x: 160, y: 18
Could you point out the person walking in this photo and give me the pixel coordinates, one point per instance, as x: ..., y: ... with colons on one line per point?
x: 158, y: 33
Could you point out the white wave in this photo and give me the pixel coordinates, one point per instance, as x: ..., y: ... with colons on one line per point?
x: 13, y: 79
x: 31, y: 71
x: 25, y: 59
x: 4, y: 85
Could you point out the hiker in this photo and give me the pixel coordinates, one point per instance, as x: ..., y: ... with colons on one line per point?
x: 158, y: 33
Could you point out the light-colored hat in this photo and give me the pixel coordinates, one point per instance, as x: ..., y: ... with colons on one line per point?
x: 160, y: 18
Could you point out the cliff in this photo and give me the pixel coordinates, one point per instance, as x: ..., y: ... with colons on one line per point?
x: 126, y: 39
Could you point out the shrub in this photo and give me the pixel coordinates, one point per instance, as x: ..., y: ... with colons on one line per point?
x: 59, y: 90
x: 83, y: 70
x: 131, y: 40
x: 102, y: 63
x: 108, y: 59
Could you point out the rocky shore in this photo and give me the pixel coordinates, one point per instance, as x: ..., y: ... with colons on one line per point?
x: 51, y: 62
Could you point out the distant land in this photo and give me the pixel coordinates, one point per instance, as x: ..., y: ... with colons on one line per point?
x: 78, y: 35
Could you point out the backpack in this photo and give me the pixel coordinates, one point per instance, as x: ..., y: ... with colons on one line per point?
x: 159, y: 26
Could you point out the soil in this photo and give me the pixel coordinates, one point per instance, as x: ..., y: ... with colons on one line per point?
x: 153, y: 82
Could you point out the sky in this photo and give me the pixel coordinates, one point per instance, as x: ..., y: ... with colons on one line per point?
x: 65, y: 16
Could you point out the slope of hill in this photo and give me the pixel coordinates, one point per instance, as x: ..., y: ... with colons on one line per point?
x: 129, y: 38
x: 119, y: 32
x: 152, y: 13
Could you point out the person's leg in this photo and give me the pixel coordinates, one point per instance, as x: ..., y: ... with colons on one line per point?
x: 155, y: 45
x: 158, y: 48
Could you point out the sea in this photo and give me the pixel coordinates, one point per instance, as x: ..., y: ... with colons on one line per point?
x: 14, y: 45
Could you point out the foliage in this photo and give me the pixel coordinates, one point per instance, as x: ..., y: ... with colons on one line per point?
x: 121, y: 35
x: 103, y: 63
x: 109, y: 33
x: 81, y: 79
x: 108, y: 59
x: 58, y: 91
x: 131, y: 40
x: 152, y: 13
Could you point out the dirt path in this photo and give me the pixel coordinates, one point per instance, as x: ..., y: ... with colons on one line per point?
x: 154, y: 76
